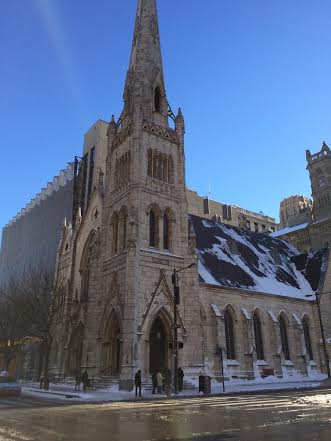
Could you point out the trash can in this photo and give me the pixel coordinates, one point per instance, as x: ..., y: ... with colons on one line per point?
x: 204, y: 384
x: 207, y: 385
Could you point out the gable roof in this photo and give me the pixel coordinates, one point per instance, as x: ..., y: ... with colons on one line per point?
x: 236, y: 258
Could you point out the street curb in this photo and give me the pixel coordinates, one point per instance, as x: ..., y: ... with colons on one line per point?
x: 321, y: 386
x: 61, y: 394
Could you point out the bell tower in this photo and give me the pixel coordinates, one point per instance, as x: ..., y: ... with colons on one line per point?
x: 145, y: 219
x: 319, y: 167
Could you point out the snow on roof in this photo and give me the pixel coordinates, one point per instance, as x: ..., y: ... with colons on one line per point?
x: 236, y: 258
x: 289, y: 230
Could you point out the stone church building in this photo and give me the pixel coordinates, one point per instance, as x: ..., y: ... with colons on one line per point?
x: 245, y: 295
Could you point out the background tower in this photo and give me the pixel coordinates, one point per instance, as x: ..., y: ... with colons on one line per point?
x: 319, y: 167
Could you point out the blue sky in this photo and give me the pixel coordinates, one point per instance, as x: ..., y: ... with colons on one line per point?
x: 252, y: 78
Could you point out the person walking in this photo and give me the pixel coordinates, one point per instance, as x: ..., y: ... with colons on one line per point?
x: 137, y: 382
x: 78, y: 380
x: 180, y: 379
x: 167, y: 382
x: 85, y: 381
x: 159, y: 381
x: 154, y: 381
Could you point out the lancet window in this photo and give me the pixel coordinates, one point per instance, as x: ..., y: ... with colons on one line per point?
x: 157, y: 100
x: 229, y: 335
x: 154, y: 227
x: 258, y: 336
x: 86, y: 266
x: 306, y: 332
x: 160, y: 166
x: 168, y: 220
x: 284, y: 337
x: 122, y: 170
x: 114, y: 234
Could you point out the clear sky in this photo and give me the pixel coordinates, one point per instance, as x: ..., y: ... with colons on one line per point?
x: 252, y: 78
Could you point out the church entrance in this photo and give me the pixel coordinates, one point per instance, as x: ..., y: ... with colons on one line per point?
x: 112, y: 347
x: 74, y: 358
x: 159, y: 343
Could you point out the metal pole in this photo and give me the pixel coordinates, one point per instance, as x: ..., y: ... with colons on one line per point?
x: 221, y: 354
x: 326, y: 355
x: 175, y: 343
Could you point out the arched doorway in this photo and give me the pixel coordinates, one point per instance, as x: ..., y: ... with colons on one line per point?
x: 74, y: 358
x: 158, y: 346
x: 112, y: 347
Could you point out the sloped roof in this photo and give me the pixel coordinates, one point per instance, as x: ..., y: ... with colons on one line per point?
x: 288, y: 230
x: 236, y: 258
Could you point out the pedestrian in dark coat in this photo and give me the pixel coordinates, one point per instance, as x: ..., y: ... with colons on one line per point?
x: 180, y: 379
x: 85, y: 381
x: 159, y: 381
x: 137, y: 382
x: 154, y: 382
x: 78, y: 380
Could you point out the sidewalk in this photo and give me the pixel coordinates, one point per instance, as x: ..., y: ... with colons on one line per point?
x: 67, y: 392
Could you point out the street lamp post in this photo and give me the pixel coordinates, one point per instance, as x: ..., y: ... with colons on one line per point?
x: 175, y: 334
x: 326, y: 355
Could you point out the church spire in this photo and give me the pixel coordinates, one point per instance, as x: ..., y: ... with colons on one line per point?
x: 145, y: 83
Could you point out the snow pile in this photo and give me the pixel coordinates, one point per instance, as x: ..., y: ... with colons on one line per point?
x: 236, y: 258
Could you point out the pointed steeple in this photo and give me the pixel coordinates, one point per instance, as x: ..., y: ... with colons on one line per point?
x: 144, y: 88
x: 146, y: 49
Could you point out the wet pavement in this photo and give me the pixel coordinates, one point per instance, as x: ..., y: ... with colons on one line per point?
x: 287, y: 416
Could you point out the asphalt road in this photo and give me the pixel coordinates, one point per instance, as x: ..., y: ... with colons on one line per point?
x: 287, y: 416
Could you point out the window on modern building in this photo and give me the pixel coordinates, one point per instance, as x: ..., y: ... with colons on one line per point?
x: 225, y: 212
x: 284, y: 337
x: 256, y: 227
x: 306, y: 332
x: 83, y: 176
x: 91, y: 172
x: 258, y: 336
x: 229, y: 335
x: 157, y: 100
x: 229, y: 212
x: 206, y: 209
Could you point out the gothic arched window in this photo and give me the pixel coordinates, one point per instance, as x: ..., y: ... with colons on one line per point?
x: 122, y: 228
x: 229, y: 335
x: 157, y: 100
x: 258, y: 336
x: 154, y: 227
x: 114, y: 233
x: 306, y: 332
x: 86, y: 266
x: 150, y: 163
x: 284, y: 337
x: 171, y: 170
x: 166, y: 228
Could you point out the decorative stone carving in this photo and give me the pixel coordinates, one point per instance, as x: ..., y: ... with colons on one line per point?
x: 166, y: 134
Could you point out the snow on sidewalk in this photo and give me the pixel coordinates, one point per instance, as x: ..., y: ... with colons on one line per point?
x: 59, y: 392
